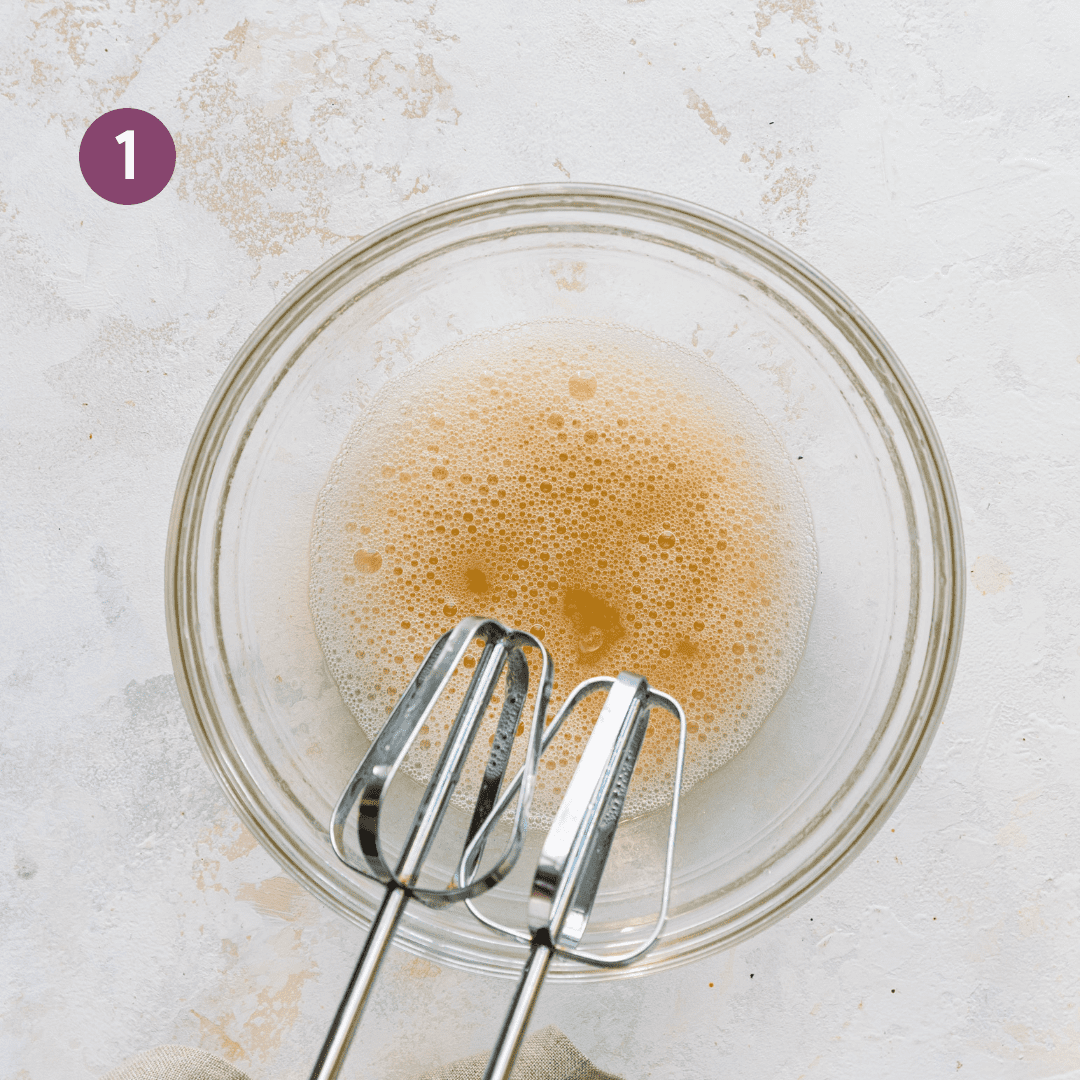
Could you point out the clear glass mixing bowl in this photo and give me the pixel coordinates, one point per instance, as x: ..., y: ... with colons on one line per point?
x: 822, y: 774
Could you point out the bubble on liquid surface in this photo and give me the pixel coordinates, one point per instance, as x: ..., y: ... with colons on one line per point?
x: 582, y: 385
x: 367, y: 562
x: 626, y: 504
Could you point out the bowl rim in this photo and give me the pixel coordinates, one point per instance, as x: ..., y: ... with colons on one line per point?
x: 949, y: 585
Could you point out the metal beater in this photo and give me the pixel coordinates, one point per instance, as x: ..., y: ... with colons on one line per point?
x: 573, y: 855
x: 575, y: 851
x: 366, y: 789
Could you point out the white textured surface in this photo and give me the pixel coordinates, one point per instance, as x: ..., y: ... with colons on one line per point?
x: 922, y: 154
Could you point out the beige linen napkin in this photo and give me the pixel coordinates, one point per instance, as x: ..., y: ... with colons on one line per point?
x: 175, y: 1063
x: 546, y: 1055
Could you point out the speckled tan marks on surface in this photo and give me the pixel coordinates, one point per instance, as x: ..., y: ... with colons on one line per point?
x: 279, y: 896
x: 801, y: 18
x: 783, y: 372
x: 797, y: 11
x: 704, y: 110
x: 569, y: 277
x: 419, y: 968
x: 1054, y: 1051
x: 278, y: 122
x: 244, y: 844
x: 419, y: 86
x: 789, y: 187
x: 214, y: 1036
x: 789, y: 31
x: 90, y: 49
x: 241, y: 158
x: 260, y: 970
x: 789, y: 182
x: 277, y: 1007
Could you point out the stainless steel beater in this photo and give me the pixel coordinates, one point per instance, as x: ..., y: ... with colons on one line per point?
x: 573, y: 855
x: 576, y: 848
x: 361, y: 801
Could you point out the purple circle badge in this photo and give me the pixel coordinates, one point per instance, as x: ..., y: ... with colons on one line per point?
x: 127, y: 156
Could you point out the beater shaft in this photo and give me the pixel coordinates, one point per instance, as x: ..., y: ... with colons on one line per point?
x: 336, y: 1045
x: 517, y: 1018
x: 362, y: 799
x: 576, y: 849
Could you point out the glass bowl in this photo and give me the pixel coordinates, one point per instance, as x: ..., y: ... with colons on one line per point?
x: 821, y: 775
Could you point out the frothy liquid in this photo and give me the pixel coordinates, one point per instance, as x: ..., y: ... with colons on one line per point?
x: 606, y: 491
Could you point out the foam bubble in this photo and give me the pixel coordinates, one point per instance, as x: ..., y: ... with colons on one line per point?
x: 603, y: 489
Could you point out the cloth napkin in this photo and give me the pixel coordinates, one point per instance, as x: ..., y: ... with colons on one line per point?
x: 546, y: 1055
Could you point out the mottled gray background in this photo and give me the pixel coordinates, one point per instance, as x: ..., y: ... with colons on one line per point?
x: 922, y: 153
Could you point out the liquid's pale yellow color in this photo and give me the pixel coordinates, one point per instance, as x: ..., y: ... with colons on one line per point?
x: 606, y: 491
